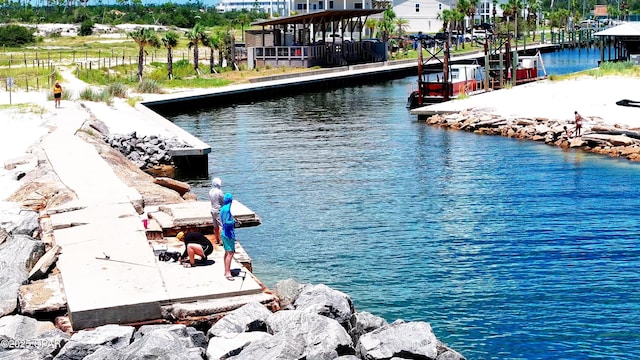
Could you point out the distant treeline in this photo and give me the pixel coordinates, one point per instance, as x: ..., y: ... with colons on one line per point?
x: 133, y: 12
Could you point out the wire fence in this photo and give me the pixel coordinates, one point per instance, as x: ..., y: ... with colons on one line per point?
x: 24, y: 70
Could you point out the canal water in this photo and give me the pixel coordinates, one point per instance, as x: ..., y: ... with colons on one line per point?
x: 510, y: 249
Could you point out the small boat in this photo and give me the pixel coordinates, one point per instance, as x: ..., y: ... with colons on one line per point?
x: 530, y: 68
x: 463, y: 79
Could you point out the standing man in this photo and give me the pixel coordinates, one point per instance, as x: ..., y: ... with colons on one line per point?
x: 578, y: 123
x: 57, y: 94
x: 228, y: 234
x: 216, y: 196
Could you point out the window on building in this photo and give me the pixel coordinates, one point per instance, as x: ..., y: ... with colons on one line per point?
x: 357, y: 5
x: 315, y: 7
x: 320, y: 5
x: 330, y: 4
x: 417, y: 7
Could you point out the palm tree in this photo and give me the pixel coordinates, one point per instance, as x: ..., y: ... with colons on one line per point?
x: 215, y: 42
x: 465, y: 8
x: 401, y: 26
x: 196, y: 36
x: 170, y: 41
x: 387, y: 23
x: 533, y: 6
x: 371, y: 25
x: 143, y: 37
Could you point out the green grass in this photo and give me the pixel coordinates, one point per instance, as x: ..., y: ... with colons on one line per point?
x: 606, y: 69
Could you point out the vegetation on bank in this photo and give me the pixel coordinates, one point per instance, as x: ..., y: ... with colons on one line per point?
x: 626, y: 68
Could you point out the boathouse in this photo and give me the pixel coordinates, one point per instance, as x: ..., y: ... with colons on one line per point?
x: 323, y: 38
x: 624, y: 41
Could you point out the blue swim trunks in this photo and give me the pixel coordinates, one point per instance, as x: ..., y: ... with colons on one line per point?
x: 228, y: 244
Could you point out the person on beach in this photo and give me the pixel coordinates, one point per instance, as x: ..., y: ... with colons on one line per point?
x: 195, y: 244
x: 216, y: 197
x: 579, y: 120
x: 228, y: 234
x: 567, y: 131
x: 57, y: 94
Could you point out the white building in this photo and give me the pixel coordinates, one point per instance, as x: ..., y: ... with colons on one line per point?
x: 422, y: 15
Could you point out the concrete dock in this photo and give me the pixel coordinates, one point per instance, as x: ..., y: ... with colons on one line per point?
x: 108, y: 267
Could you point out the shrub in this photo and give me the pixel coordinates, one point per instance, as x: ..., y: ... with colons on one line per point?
x: 15, y: 35
x: 86, y: 28
x: 149, y: 87
x: 118, y: 90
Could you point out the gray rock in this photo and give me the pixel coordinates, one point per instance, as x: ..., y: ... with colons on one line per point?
x: 188, y: 335
x: 74, y: 350
x: 446, y: 353
x: 17, y: 256
x: 115, y: 336
x: 287, y: 291
x: 347, y: 357
x: 319, y: 336
x: 20, y: 354
x: 35, y: 337
x: 28, y: 224
x: 272, y: 348
x: 23, y: 327
x: 364, y: 322
x: 413, y: 340
x: 222, y: 348
x: 162, y: 344
x: 105, y: 353
x: 325, y: 301
x: 250, y: 317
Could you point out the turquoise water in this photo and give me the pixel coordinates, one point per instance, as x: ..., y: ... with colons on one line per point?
x: 510, y: 249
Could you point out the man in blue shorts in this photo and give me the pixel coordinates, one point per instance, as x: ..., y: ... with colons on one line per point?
x: 228, y: 234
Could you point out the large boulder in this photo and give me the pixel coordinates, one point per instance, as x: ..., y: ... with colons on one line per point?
x: 29, y: 338
x: 115, y: 336
x: 272, y: 347
x: 287, y: 292
x: 323, y: 300
x: 413, y: 340
x: 17, y: 256
x: 320, y: 337
x: 222, y: 348
x: 250, y: 317
x: 163, y: 343
x: 362, y: 323
x: 17, y: 221
x: 188, y: 335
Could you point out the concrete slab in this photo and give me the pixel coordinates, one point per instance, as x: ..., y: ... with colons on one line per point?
x: 88, y: 214
x: 199, y: 212
x: 206, y: 281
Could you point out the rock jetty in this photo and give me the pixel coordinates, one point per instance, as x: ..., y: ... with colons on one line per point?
x: 145, y: 151
x: 597, y: 136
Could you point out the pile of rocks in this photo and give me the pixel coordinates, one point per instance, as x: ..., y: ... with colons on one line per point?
x: 597, y: 136
x: 146, y: 151
x: 319, y: 324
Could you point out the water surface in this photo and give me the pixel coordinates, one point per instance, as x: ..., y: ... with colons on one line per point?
x: 510, y: 249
